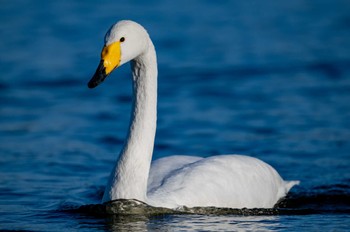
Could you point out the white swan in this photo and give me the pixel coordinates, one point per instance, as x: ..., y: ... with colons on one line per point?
x: 233, y: 181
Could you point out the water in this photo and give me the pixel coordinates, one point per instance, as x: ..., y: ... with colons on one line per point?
x: 266, y: 79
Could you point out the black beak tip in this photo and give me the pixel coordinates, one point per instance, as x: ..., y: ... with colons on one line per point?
x: 92, y: 84
x: 99, y: 76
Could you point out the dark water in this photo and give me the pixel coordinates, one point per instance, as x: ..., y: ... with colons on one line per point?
x: 270, y: 79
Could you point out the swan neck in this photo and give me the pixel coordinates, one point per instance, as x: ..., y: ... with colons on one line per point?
x: 129, y: 180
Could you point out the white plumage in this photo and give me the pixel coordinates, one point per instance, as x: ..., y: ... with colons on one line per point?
x: 233, y: 181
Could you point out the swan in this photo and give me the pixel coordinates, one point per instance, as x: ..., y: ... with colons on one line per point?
x: 230, y: 181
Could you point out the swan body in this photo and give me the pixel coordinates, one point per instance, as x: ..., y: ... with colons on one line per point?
x: 233, y: 181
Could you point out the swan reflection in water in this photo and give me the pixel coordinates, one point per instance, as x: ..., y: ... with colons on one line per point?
x: 193, y: 223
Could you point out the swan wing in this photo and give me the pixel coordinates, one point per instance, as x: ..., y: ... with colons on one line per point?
x: 162, y: 168
x: 223, y: 181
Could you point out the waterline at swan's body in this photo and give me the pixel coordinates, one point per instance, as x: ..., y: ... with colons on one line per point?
x: 223, y: 181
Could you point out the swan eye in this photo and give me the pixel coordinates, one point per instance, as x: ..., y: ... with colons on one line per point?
x: 122, y: 39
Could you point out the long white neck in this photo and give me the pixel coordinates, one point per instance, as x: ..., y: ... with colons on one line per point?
x: 129, y: 178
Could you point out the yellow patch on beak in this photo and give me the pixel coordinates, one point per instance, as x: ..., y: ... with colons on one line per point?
x: 110, y: 56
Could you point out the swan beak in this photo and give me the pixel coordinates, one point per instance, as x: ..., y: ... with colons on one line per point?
x: 110, y: 60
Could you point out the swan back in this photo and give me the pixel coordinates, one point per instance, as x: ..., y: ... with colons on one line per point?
x: 232, y: 181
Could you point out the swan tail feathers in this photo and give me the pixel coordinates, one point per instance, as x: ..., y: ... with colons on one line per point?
x: 291, y: 184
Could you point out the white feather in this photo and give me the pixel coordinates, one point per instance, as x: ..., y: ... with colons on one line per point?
x: 223, y: 181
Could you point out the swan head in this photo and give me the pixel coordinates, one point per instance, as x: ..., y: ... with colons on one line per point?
x: 124, y: 41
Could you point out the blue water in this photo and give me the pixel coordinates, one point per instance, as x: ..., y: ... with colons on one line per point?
x: 269, y: 79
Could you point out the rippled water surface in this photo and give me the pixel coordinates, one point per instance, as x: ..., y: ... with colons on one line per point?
x: 266, y: 79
